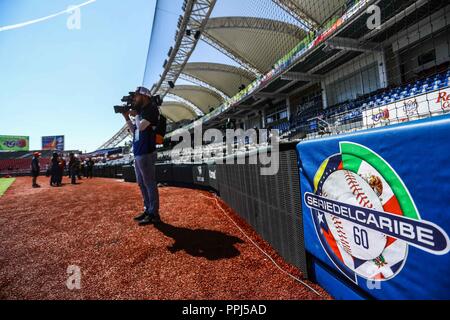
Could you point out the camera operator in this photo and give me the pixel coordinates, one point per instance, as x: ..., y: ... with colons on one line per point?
x: 144, y: 148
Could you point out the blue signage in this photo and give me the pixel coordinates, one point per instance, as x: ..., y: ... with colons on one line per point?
x: 53, y: 143
x: 375, y: 210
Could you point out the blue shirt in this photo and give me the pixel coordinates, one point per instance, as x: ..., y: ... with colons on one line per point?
x: 144, y: 142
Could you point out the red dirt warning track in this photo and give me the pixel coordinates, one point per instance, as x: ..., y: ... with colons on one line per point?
x: 197, y: 253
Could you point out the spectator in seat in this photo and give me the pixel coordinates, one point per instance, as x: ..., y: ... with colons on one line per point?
x: 35, y: 169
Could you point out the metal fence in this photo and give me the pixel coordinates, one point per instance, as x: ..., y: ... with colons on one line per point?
x: 270, y: 204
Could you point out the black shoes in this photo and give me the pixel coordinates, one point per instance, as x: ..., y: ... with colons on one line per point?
x: 149, y: 219
x: 146, y: 221
x: 141, y: 216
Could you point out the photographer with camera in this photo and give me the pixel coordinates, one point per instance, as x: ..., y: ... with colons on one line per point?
x: 144, y: 108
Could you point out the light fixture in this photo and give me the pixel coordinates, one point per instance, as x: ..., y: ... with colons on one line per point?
x: 183, y: 7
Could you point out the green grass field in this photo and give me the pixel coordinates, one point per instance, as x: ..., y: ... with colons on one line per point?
x: 5, y: 183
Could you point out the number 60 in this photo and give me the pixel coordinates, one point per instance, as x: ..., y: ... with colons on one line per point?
x: 361, y: 237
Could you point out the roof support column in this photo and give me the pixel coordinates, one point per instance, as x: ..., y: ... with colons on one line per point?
x: 263, y: 118
x: 381, y: 58
x: 288, y: 108
x: 324, y: 94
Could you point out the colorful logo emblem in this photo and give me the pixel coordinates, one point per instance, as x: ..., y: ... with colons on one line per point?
x: 365, y: 216
x: 444, y: 100
x: 411, y: 108
x: 382, y: 115
x: 22, y: 143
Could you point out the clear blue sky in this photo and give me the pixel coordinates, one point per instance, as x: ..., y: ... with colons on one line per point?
x: 56, y: 81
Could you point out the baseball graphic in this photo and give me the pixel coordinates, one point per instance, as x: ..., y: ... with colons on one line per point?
x: 359, y: 242
x: 366, y: 197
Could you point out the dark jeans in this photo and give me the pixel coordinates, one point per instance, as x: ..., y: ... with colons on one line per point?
x: 56, y: 175
x: 61, y: 176
x: 146, y: 178
x: 73, y: 176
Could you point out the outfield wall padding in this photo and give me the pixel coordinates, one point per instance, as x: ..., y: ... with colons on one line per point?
x: 270, y: 204
x: 164, y: 173
x: 200, y: 175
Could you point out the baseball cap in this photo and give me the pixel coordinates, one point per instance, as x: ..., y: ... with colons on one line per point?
x: 37, y: 154
x: 144, y: 91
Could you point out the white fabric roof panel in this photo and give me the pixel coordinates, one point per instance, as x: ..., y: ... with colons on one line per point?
x: 257, y: 41
x: 177, y: 111
x: 225, y: 78
x: 316, y: 10
x: 201, y: 97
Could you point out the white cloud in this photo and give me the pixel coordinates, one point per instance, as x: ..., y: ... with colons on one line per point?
x: 27, y: 23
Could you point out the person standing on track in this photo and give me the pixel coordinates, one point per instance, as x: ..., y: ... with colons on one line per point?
x: 79, y: 168
x: 35, y: 169
x: 62, y: 168
x: 89, y: 168
x: 144, y: 149
x: 54, y: 180
x: 73, y: 168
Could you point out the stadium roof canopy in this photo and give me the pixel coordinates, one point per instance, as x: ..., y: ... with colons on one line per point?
x: 201, y: 97
x: 348, y: 42
x: 316, y: 12
x: 177, y: 111
x: 257, y: 42
x: 225, y: 78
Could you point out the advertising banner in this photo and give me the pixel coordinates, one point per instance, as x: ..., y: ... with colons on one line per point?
x: 375, y: 209
x: 14, y: 143
x: 409, y: 109
x: 53, y: 143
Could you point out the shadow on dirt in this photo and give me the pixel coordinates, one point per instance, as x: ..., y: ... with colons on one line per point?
x: 212, y: 245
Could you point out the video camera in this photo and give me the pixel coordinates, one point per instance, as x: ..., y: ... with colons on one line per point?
x: 128, y: 100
